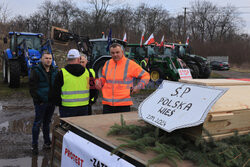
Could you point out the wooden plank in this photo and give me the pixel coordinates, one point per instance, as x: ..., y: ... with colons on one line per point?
x: 220, y: 117
x: 215, y: 82
x: 57, y: 139
x: 239, y: 121
x: 236, y: 98
x: 57, y: 161
x: 57, y: 155
x: 58, y: 143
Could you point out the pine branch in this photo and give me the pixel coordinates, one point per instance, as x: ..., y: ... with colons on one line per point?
x: 230, y: 152
x: 245, y: 164
x: 165, y: 151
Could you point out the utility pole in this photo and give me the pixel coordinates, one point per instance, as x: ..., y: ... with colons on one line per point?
x: 185, y: 29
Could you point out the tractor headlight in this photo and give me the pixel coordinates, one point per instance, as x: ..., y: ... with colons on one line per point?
x: 34, y: 58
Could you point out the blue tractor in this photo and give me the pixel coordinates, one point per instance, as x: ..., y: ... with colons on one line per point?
x: 24, y: 52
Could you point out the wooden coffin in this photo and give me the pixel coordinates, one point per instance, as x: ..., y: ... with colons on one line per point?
x: 230, y: 113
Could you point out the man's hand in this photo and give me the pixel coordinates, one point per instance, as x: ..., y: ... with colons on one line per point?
x: 135, y: 90
x: 98, y: 84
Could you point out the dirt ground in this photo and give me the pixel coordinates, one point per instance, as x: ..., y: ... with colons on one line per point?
x: 16, y: 119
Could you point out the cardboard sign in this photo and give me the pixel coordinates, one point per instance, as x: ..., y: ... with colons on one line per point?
x: 79, y: 152
x: 185, y: 73
x: 176, y: 105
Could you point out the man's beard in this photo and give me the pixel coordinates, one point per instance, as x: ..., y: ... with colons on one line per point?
x: 46, y: 65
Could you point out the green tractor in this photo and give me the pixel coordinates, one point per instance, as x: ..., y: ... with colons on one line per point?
x: 199, y: 66
x: 162, y: 63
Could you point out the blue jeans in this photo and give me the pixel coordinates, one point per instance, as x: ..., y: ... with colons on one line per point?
x: 73, y: 111
x: 44, y: 113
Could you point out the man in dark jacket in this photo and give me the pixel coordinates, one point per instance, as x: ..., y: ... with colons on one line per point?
x: 41, y: 82
x: 71, y: 90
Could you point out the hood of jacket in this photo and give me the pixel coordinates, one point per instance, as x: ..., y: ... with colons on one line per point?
x: 75, y: 69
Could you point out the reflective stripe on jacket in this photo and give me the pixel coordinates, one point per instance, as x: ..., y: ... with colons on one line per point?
x: 118, y: 80
x: 75, y: 90
x: 143, y: 62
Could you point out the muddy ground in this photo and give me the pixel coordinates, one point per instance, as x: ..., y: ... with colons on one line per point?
x: 16, y: 119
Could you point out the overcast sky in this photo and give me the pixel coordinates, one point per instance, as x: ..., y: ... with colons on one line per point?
x: 27, y: 7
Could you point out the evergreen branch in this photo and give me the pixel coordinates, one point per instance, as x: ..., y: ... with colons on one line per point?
x: 164, y: 151
x: 236, y: 157
x: 123, y: 123
x: 245, y: 164
x: 230, y: 152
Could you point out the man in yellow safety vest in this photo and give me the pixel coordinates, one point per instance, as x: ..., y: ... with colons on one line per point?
x: 72, y: 87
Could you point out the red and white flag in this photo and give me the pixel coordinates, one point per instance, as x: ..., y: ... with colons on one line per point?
x: 142, y: 38
x: 125, y: 37
x: 162, y: 41
x: 150, y: 40
x: 187, y: 41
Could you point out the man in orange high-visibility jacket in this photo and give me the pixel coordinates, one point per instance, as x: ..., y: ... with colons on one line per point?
x: 116, y: 81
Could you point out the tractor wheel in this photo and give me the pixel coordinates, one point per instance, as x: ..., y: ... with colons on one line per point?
x: 156, y: 75
x: 206, y: 73
x: 194, y: 70
x: 13, y: 74
x: 98, y: 68
x: 5, y: 70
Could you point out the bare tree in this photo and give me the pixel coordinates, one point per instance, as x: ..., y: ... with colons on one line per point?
x: 66, y: 12
x: 4, y: 13
x: 198, y: 18
x: 227, y: 23
x: 122, y: 20
x: 81, y: 23
x: 99, y: 14
x: 209, y: 22
x: 35, y: 21
x: 177, y: 28
x: 47, y: 9
x: 19, y: 23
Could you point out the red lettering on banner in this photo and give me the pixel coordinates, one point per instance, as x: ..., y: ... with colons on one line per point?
x: 79, y: 161
x: 66, y: 150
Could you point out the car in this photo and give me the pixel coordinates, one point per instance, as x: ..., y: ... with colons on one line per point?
x: 219, y: 65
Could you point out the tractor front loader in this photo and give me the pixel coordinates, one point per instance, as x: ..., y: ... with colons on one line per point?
x: 95, y: 49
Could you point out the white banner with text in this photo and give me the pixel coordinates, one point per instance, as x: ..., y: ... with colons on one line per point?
x: 176, y: 105
x: 79, y: 152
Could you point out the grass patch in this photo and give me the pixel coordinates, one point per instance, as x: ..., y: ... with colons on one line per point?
x: 22, y: 91
x: 240, y: 70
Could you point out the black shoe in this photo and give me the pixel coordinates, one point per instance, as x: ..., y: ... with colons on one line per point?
x: 46, y: 146
x: 34, y: 149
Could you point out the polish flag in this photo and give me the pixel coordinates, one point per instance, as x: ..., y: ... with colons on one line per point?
x: 150, y: 40
x: 125, y: 37
x: 162, y: 41
x: 142, y: 38
x: 187, y: 41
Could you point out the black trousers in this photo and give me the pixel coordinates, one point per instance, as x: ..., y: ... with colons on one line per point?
x: 107, y: 109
